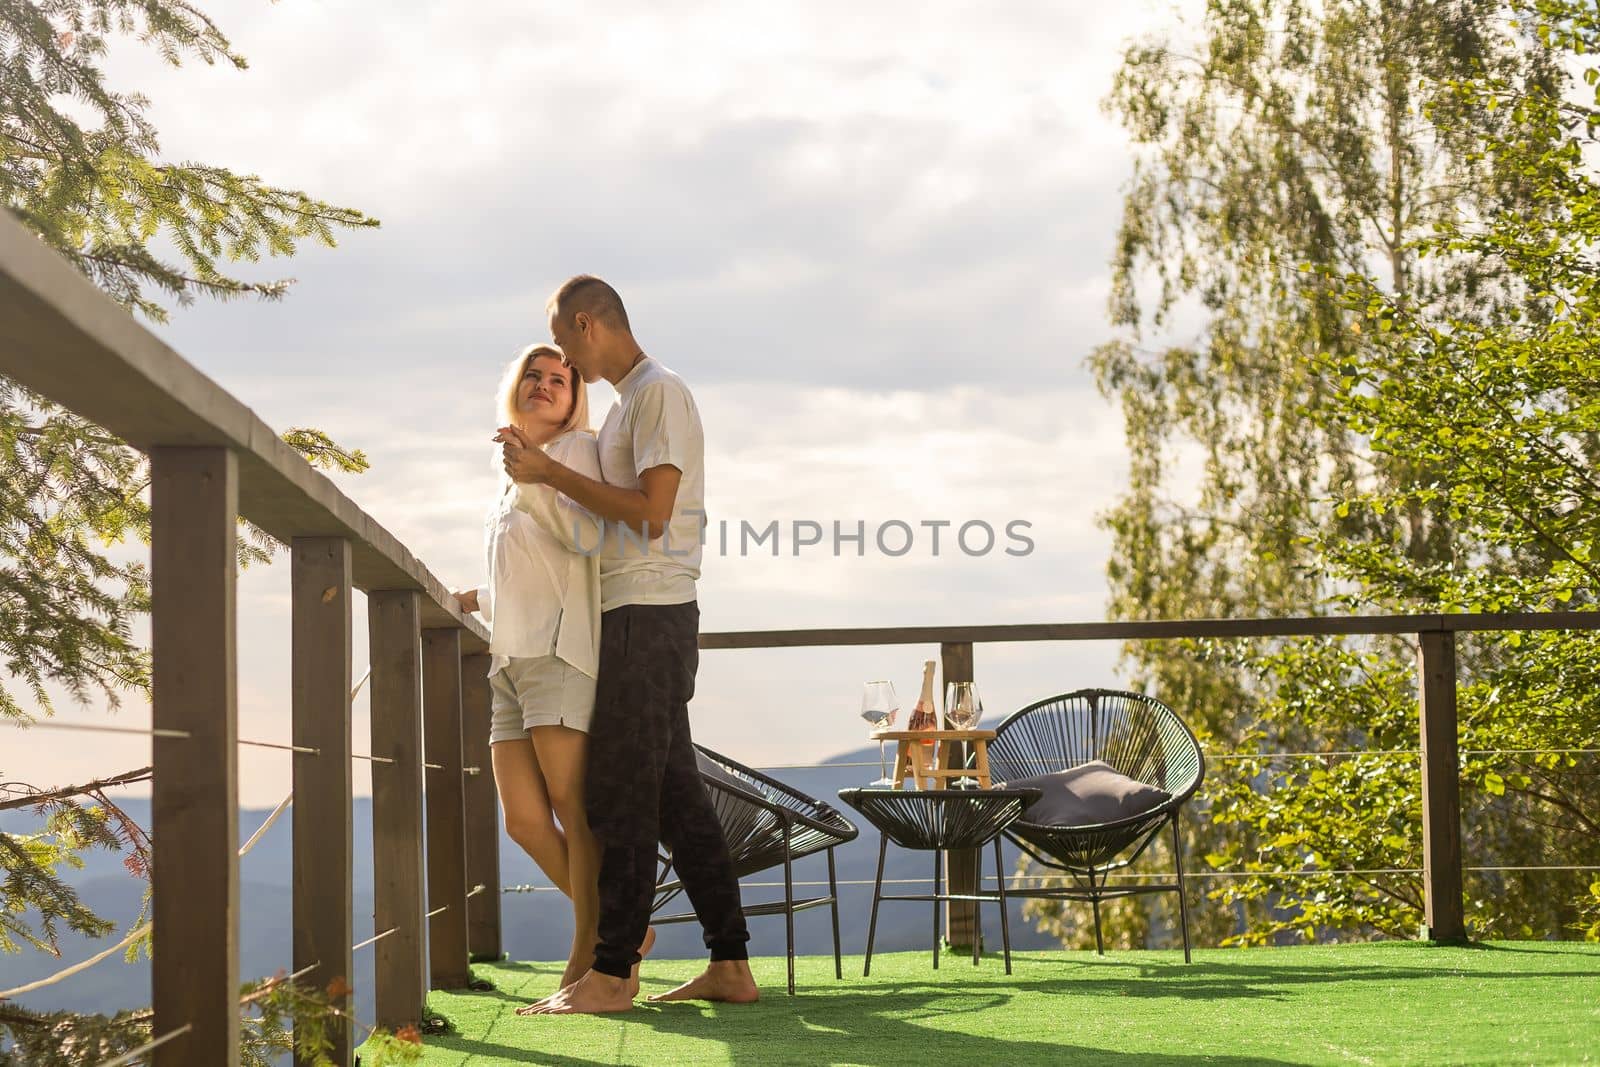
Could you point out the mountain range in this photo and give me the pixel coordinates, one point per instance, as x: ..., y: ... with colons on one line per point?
x: 535, y: 925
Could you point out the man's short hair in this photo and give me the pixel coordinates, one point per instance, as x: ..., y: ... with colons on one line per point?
x: 586, y: 293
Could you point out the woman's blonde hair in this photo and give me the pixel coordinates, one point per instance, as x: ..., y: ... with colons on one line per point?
x: 509, y: 385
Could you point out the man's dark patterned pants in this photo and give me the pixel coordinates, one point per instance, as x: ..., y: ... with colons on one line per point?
x: 644, y: 786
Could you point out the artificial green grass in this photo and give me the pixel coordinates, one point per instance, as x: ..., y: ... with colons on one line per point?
x: 1387, y: 1003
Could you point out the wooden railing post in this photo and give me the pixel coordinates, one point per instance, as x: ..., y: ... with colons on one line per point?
x: 961, y: 922
x: 194, y: 809
x: 482, y: 812
x: 323, y: 832
x: 447, y: 858
x: 1441, y: 788
x: 395, y: 652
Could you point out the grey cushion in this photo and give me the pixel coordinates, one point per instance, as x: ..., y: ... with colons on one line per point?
x: 1088, y: 794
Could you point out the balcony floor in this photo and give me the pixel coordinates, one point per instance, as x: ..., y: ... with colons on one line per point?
x: 1386, y: 1003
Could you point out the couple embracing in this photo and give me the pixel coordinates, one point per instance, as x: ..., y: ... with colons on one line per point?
x: 593, y: 552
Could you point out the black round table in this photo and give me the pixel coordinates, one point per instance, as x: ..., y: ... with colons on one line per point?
x: 938, y: 820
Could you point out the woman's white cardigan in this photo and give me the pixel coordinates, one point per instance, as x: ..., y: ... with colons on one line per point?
x: 543, y: 593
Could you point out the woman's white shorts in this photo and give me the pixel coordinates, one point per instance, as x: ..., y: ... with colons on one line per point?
x: 539, y: 691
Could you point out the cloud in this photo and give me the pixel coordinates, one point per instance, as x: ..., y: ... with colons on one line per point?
x: 1051, y: 457
x: 784, y: 193
x: 872, y: 236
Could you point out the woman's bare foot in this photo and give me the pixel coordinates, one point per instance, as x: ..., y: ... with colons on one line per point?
x: 538, y: 1006
x: 728, y: 981
x: 644, y: 950
x: 593, y: 994
x: 573, y: 972
x: 568, y: 980
x: 576, y: 968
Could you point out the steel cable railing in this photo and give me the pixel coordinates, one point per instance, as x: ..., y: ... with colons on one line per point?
x: 140, y: 931
x: 1016, y: 880
x: 1020, y: 879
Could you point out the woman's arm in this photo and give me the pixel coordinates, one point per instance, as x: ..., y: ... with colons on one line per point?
x: 569, y: 522
x: 469, y: 600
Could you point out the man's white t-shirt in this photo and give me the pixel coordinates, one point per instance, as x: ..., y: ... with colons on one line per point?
x: 654, y: 422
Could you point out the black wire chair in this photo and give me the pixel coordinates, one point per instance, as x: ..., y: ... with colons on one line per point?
x: 938, y: 820
x: 766, y: 824
x: 1138, y: 736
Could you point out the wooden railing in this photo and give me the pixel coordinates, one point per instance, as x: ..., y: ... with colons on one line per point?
x: 212, y: 461
x: 1445, y: 918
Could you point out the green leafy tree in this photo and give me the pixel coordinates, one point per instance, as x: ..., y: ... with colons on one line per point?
x: 1282, y: 149
x: 1507, y: 407
x: 81, y: 166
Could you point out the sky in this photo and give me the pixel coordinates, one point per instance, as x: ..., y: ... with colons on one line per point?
x: 873, y: 238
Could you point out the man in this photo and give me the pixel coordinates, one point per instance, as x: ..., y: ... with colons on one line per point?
x: 644, y: 783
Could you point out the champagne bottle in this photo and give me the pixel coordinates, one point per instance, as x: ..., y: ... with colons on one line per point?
x: 925, y: 756
x: 924, y: 716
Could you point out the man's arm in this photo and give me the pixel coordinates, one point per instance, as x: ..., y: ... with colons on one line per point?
x: 647, y: 509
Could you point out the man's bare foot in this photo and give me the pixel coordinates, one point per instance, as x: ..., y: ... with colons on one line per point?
x: 644, y: 950
x: 593, y: 994
x: 728, y: 981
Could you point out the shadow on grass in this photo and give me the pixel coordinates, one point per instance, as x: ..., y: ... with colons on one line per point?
x: 1216, y: 979
x: 896, y: 1029
x: 884, y: 1030
x: 1583, y: 949
x: 1213, y: 979
x: 826, y: 1024
x: 831, y: 1022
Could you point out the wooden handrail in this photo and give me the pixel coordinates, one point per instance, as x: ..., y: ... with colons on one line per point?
x: 1156, y: 630
x: 66, y: 340
x: 212, y: 462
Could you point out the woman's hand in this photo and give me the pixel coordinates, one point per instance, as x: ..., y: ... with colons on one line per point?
x: 466, y: 599
x: 524, y: 461
x: 512, y: 435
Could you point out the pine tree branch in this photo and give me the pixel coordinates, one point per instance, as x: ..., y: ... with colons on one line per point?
x: 268, y: 290
x: 33, y: 799
x: 43, y: 152
x: 40, y: 431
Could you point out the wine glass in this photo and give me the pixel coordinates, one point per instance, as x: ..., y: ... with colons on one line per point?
x: 963, y: 707
x: 879, y: 706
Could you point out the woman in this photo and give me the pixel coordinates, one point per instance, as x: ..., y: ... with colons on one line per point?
x: 541, y: 603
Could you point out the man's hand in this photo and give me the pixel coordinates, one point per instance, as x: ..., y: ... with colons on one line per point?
x: 524, y: 461
x: 466, y: 599
x: 647, y: 508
